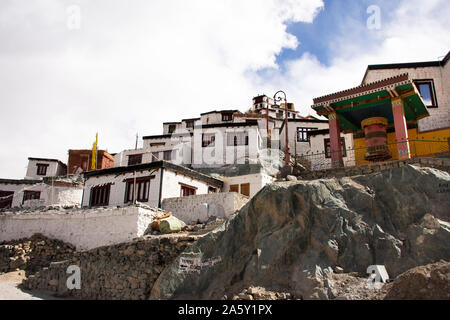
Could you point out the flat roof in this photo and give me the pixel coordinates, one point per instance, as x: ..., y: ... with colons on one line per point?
x: 250, y: 123
x: 19, y: 181
x: 423, y: 64
x: 46, y: 159
x: 303, y: 120
x: 170, y: 135
x: 156, y: 165
x: 220, y: 111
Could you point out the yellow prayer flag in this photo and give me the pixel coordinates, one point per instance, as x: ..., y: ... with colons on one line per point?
x: 94, y: 154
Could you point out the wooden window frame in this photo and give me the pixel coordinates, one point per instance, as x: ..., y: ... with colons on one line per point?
x: 227, y: 116
x: 327, y: 142
x: 6, y: 199
x: 41, y: 169
x: 143, y: 185
x: 134, y: 159
x: 171, y: 128
x: 430, y: 83
x: 31, y: 195
x: 190, y: 124
x: 100, y: 195
x: 187, y: 190
x: 167, y: 152
x: 302, y: 133
x: 208, y: 140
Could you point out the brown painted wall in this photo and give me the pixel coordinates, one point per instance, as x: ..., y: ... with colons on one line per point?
x: 80, y: 161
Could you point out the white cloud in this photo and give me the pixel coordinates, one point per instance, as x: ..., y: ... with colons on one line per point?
x: 135, y: 64
x: 130, y: 66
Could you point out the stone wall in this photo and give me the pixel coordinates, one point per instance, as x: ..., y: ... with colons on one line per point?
x: 437, y: 163
x: 122, y: 271
x: 31, y: 254
x: 84, y: 228
x: 201, y: 207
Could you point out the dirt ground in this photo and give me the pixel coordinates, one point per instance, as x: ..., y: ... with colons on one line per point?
x: 9, y: 289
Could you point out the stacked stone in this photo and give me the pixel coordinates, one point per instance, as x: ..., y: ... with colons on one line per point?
x: 124, y: 271
x: 32, y: 254
x: 436, y: 163
x: 260, y: 293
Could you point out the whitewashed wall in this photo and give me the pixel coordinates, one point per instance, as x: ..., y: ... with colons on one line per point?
x: 221, y: 154
x: 319, y: 162
x: 257, y: 182
x: 117, y: 191
x: 202, y: 207
x: 302, y: 147
x: 56, y: 195
x: 172, y: 187
x: 439, y: 117
x: 86, y: 229
x: 52, y: 170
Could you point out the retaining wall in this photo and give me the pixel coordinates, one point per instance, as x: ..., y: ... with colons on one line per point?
x: 85, y: 229
x: 201, y: 207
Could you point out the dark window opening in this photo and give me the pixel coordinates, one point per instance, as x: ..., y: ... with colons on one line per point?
x: 228, y: 116
x: 41, y: 169
x: 6, y: 199
x: 168, y: 155
x: 142, y: 188
x: 302, y: 134
x: 208, y: 140
x: 187, y: 191
x: 31, y: 195
x: 328, y: 148
x: 172, y: 128
x: 100, y: 195
x: 190, y: 124
x: 134, y: 159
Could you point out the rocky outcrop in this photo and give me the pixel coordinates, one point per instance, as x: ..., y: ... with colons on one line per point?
x: 292, y: 235
x: 430, y: 282
x: 32, y: 254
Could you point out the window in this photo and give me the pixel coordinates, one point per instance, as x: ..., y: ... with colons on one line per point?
x: 279, y: 114
x: 234, y: 188
x: 208, y: 140
x: 41, y: 169
x: 426, y: 89
x: 134, y: 159
x: 187, y: 191
x: 157, y: 144
x: 302, y: 134
x: 100, y: 195
x: 237, y: 139
x: 212, y: 190
x: 190, y: 124
x: 245, y: 189
x: 142, y: 189
x: 31, y: 195
x: 168, y: 155
x: 227, y: 116
x: 155, y: 156
x: 6, y: 198
x: 328, y: 148
x: 172, y: 128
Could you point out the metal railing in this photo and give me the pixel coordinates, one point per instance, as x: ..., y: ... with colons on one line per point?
x: 356, y: 156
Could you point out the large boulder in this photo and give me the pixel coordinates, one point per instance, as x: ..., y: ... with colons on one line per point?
x: 292, y: 234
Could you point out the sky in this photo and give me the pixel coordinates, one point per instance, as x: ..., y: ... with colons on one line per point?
x: 70, y: 69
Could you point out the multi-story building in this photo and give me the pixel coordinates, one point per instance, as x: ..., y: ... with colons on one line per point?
x: 45, y: 183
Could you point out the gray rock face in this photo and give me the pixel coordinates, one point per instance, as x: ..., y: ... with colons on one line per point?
x: 291, y: 235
